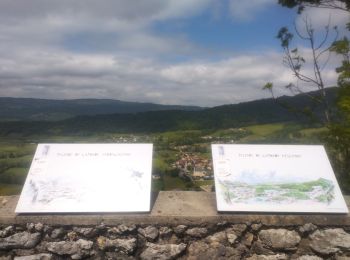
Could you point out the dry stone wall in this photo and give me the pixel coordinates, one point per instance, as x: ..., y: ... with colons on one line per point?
x: 224, y: 240
x: 181, y: 225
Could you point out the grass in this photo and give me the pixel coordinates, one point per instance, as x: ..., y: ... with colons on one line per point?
x: 167, y: 156
x: 231, y: 133
x: 10, y: 189
x: 157, y: 185
x: 14, y: 176
x: 309, y: 132
x: 260, y: 132
x: 159, y: 165
x: 175, y: 183
x: 16, y: 155
x: 181, y: 137
x: 15, y: 159
x: 201, y: 183
x: 10, y: 150
x: 266, y: 129
x: 18, y: 162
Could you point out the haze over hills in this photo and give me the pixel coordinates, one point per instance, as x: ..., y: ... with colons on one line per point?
x: 227, y: 116
x: 15, y: 109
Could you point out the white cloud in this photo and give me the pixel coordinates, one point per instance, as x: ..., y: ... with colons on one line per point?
x: 319, y: 18
x: 135, y: 11
x: 207, y: 83
x: 123, y: 58
x: 97, y: 26
x: 141, y: 42
x: 246, y: 10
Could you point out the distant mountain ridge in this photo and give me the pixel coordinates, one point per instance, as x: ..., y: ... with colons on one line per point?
x: 31, y: 109
x: 221, y: 117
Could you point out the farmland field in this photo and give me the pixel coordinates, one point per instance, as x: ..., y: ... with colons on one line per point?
x: 16, y: 154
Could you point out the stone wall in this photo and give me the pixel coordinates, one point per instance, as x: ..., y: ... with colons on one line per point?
x: 164, y: 233
x: 220, y: 241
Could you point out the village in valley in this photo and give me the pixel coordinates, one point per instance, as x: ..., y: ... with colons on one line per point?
x: 190, y: 167
x: 191, y: 161
x: 194, y: 167
x: 181, y: 159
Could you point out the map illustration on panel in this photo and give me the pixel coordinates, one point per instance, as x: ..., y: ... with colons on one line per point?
x: 88, y: 178
x: 275, y: 178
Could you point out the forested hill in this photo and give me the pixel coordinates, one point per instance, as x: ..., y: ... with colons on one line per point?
x: 254, y: 112
x: 15, y: 109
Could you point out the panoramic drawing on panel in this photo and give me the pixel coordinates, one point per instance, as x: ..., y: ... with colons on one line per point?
x: 45, y: 190
x: 320, y: 190
x: 275, y: 178
x: 88, y: 178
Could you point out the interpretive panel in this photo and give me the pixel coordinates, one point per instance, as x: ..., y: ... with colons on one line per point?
x: 88, y: 178
x: 275, y: 178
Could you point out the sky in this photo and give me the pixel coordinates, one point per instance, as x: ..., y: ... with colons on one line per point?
x: 184, y: 52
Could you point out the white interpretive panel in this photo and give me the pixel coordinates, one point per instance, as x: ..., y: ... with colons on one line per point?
x: 275, y: 178
x: 88, y: 178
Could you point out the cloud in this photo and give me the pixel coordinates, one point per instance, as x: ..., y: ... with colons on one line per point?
x: 246, y: 10
x: 95, y: 26
x: 137, y: 11
x: 319, y: 18
x: 65, y: 75
x: 107, y: 49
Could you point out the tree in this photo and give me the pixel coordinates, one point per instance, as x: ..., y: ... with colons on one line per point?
x: 294, y: 60
x: 338, y: 136
x: 329, y: 4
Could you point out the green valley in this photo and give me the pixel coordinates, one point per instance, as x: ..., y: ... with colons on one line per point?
x: 182, y: 159
x: 181, y: 136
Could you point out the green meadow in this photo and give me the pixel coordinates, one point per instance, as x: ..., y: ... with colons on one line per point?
x: 16, y: 153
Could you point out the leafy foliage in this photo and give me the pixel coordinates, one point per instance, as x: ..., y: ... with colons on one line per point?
x: 331, y: 4
x: 338, y: 136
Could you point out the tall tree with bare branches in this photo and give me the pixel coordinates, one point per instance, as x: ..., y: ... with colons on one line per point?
x: 301, y: 66
x: 338, y: 136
